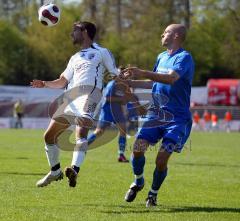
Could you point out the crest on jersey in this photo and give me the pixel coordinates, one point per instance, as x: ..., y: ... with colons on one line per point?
x: 91, y: 56
x: 82, y: 55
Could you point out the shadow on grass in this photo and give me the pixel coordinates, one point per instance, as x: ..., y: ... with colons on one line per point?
x: 207, y: 165
x: 159, y: 209
x: 22, y: 158
x: 22, y: 173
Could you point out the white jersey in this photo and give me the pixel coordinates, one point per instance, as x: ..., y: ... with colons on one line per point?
x: 87, y: 67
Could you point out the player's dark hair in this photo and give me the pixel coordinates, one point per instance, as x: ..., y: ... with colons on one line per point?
x: 89, y: 27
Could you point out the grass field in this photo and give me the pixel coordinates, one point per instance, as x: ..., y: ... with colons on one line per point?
x: 203, y: 182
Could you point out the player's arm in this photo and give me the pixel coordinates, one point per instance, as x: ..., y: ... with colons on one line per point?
x: 109, y: 64
x: 137, y: 73
x: 145, y: 84
x: 61, y: 82
x: 115, y: 99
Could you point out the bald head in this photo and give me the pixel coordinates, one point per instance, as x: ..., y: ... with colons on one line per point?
x: 173, y: 36
x: 180, y: 30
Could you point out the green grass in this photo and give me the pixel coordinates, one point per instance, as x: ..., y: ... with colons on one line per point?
x: 203, y: 182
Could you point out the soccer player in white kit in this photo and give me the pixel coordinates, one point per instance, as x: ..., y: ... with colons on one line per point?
x: 84, y: 76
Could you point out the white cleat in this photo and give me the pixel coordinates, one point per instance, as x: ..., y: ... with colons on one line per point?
x: 49, y: 178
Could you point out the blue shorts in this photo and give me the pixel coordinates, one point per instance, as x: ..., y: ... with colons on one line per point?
x: 174, y: 135
x: 111, y: 115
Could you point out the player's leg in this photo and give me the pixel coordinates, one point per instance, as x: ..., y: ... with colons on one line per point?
x: 146, y: 135
x: 55, y: 128
x: 85, y: 106
x: 99, y: 131
x: 105, y: 119
x: 138, y: 162
x: 122, y: 141
x: 79, y: 153
x: 20, y: 121
x: 159, y: 175
x: 175, y: 136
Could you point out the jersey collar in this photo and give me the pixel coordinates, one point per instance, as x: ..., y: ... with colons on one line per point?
x: 177, y: 51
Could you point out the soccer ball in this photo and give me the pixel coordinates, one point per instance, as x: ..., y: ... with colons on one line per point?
x: 49, y: 14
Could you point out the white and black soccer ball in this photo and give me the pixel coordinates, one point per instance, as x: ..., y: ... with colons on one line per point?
x: 49, y: 14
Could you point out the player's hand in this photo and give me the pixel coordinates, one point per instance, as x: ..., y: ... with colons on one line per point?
x: 37, y: 84
x: 141, y: 110
x: 132, y: 73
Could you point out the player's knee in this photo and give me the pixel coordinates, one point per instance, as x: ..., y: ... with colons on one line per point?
x: 84, y: 122
x: 140, y: 146
x: 161, y: 163
x: 48, y: 138
x: 137, y: 154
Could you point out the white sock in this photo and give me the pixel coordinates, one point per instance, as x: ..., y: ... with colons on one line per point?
x: 52, y: 152
x: 80, y: 152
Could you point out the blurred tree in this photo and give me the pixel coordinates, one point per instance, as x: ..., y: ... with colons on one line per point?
x: 131, y: 29
x: 119, y: 16
x: 19, y: 62
x: 55, y: 43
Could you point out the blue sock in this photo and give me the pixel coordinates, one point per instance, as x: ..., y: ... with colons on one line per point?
x: 121, y: 144
x: 158, y: 178
x: 138, y: 167
x: 91, y: 138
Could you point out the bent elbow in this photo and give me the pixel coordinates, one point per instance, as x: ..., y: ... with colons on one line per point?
x: 172, y: 81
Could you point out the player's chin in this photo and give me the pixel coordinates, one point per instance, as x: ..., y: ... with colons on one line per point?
x: 164, y: 42
x: 74, y: 41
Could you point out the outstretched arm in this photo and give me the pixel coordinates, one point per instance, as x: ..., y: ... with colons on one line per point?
x: 145, y: 84
x: 137, y: 73
x: 61, y: 82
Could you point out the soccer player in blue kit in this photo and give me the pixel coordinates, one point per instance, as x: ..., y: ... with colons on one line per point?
x: 172, y: 77
x: 117, y: 94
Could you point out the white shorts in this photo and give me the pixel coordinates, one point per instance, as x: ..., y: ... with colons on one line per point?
x: 80, y: 101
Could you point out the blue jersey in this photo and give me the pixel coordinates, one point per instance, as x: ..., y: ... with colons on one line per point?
x: 111, y: 91
x: 175, y: 98
x: 111, y: 111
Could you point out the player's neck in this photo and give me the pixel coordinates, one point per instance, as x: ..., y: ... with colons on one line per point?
x: 86, y: 44
x: 173, y: 49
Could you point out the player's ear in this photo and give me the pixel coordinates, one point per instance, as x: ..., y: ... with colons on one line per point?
x: 176, y: 36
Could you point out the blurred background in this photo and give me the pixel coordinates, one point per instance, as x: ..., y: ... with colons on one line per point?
x: 132, y: 31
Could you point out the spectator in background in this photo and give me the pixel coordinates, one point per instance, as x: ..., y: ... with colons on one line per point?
x: 207, y: 120
x: 18, y: 111
x: 196, y: 121
x: 214, y: 119
x: 228, y: 119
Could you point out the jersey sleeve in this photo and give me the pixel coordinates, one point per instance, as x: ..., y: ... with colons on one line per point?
x: 110, y: 89
x: 69, y: 71
x: 183, y: 64
x: 109, y: 62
